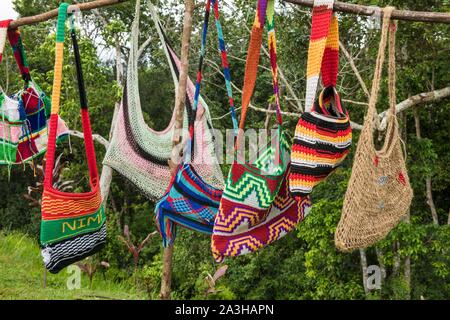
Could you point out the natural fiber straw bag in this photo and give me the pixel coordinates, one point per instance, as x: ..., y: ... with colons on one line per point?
x: 23, y: 116
x: 190, y: 201
x: 256, y: 209
x: 323, y: 135
x: 73, y: 224
x: 379, y: 193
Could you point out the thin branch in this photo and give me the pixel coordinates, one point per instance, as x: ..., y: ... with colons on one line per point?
x: 144, y: 46
x: 95, y: 136
x: 356, y: 102
x: 422, y: 16
x: 423, y: 97
x: 355, y: 70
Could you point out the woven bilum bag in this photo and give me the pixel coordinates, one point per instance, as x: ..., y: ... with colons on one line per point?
x: 379, y: 193
x: 140, y: 153
x: 73, y: 224
x: 323, y: 134
x: 189, y: 200
x: 256, y: 209
x: 23, y: 116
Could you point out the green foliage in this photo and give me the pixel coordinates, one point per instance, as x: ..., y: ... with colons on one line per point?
x: 305, y: 263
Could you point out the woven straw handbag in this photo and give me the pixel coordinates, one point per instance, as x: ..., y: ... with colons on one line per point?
x: 23, y: 116
x: 141, y: 154
x: 323, y: 134
x: 256, y: 209
x: 189, y: 200
x: 379, y: 193
x: 73, y: 224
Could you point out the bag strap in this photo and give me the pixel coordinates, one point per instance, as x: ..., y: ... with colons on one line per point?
x: 15, y: 41
x: 391, y: 69
x: 379, y: 69
x: 226, y: 71
x: 56, y: 95
x: 265, y: 8
x: 323, y: 51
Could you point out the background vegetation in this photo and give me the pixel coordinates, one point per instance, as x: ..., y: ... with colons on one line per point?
x: 303, y: 265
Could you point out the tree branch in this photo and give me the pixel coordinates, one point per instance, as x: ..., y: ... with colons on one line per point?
x: 423, y: 97
x: 54, y: 13
x: 422, y: 16
x: 95, y: 136
x: 355, y: 70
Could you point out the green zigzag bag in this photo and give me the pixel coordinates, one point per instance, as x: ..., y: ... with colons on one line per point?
x: 256, y: 208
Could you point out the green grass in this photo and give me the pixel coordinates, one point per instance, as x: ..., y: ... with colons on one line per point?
x: 22, y: 274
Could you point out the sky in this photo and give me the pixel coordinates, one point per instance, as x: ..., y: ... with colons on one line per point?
x: 6, y: 10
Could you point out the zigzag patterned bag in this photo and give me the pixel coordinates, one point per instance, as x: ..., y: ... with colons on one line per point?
x: 323, y: 134
x: 189, y: 200
x: 256, y: 209
x: 73, y: 225
x: 23, y: 116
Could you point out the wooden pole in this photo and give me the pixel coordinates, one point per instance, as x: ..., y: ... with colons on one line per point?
x: 180, y: 102
x: 407, y: 15
x: 54, y: 13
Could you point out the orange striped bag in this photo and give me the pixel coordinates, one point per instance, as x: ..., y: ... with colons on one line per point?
x: 323, y: 135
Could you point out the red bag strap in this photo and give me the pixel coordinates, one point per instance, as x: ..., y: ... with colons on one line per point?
x: 15, y: 41
x: 56, y: 94
x: 323, y: 51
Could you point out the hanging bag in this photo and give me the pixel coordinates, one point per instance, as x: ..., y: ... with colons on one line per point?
x: 256, y: 209
x: 379, y: 193
x: 73, y: 224
x: 323, y: 134
x: 23, y: 116
x: 189, y: 200
x: 140, y: 153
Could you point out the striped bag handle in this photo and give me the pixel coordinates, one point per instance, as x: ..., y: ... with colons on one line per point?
x: 323, y: 51
x: 225, y: 66
x: 15, y: 41
x: 56, y: 95
x: 265, y: 9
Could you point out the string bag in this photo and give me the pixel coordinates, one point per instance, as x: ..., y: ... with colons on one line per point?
x: 141, y: 154
x: 379, y: 193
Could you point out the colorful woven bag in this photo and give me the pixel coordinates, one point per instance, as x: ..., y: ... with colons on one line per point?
x: 379, y: 193
x: 189, y: 200
x: 73, y: 225
x: 23, y: 116
x: 256, y: 209
x: 323, y: 135
x: 141, y: 154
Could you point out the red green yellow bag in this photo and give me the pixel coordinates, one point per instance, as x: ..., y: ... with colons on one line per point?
x: 73, y: 224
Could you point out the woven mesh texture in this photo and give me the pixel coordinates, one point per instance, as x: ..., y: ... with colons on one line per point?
x: 379, y: 193
x: 141, y: 154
